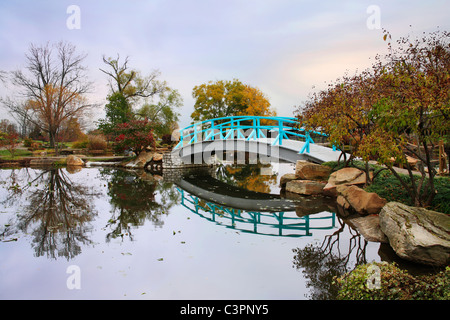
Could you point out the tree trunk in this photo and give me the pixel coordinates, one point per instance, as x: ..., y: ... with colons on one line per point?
x: 447, y: 151
x: 52, y: 140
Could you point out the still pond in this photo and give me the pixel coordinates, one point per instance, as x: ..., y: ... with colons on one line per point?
x: 107, y: 233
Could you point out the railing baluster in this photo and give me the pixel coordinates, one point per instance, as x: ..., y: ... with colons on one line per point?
x: 233, y: 127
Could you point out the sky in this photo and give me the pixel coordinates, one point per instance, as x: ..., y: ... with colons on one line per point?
x: 286, y: 48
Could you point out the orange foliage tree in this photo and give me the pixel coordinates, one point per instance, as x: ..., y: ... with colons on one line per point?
x: 398, y: 108
x: 54, y: 86
x: 229, y: 98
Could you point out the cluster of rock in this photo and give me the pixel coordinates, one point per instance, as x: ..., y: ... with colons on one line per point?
x: 415, y: 234
x: 145, y: 159
x: 344, y: 185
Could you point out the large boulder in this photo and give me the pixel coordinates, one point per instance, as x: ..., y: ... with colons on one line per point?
x: 74, y: 161
x: 344, y: 176
x: 310, y: 171
x: 356, y: 199
x: 157, y: 157
x: 369, y: 228
x: 417, y: 234
x: 285, y: 178
x: 141, y: 160
x: 305, y: 187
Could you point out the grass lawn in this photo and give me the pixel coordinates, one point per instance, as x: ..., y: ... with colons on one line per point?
x: 4, y: 154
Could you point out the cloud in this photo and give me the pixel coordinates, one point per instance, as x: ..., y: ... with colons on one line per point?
x: 283, y: 47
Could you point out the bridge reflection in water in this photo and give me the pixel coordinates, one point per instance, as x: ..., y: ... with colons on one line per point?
x: 253, y: 212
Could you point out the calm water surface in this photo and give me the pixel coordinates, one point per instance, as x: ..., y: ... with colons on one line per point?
x: 104, y: 233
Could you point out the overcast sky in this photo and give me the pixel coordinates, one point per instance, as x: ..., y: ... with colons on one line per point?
x: 283, y: 47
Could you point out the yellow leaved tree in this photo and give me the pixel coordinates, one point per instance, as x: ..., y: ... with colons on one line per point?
x: 229, y: 98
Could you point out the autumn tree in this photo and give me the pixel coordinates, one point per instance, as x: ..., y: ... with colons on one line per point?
x: 228, y: 98
x: 413, y: 110
x: 257, y: 104
x: 9, y: 141
x: 71, y: 130
x: 342, y: 111
x: 7, y: 126
x: 52, y: 88
x: 398, y: 108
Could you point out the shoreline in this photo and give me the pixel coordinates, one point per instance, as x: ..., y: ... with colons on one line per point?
x: 56, y: 160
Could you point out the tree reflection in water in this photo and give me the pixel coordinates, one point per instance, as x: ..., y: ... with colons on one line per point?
x: 247, y: 176
x: 56, y: 211
x: 321, y: 263
x: 133, y: 198
x: 56, y: 214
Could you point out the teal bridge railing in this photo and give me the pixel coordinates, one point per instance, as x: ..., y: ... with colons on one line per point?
x: 255, y: 222
x: 249, y: 128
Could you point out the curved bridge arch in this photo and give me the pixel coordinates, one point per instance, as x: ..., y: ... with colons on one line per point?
x: 252, y: 212
x: 272, y: 138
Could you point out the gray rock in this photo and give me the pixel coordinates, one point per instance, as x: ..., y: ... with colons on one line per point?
x: 369, y: 228
x: 417, y: 234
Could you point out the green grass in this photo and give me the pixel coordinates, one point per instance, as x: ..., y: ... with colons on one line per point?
x: 6, y: 155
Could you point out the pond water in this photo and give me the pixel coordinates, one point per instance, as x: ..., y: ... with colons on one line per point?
x: 107, y: 233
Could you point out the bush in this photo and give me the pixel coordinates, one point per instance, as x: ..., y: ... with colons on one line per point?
x: 97, y: 142
x: 394, y: 284
x: 441, y: 201
x: 80, y: 144
x: 389, y: 187
x: 27, y: 142
x: 135, y: 135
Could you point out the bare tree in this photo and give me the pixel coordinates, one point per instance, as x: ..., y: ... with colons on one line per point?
x: 130, y: 83
x: 52, y: 88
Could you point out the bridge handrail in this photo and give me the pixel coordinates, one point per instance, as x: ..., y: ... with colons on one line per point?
x: 237, y: 216
x: 227, y: 127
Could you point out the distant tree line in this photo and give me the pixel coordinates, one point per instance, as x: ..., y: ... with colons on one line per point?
x: 48, y: 99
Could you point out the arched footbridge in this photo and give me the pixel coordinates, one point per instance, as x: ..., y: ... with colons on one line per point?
x: 263, y: 139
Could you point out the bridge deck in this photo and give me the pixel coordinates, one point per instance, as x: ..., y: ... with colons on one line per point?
x: 288, y: 151
x: 270, y: 136
x: 317, y: 152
